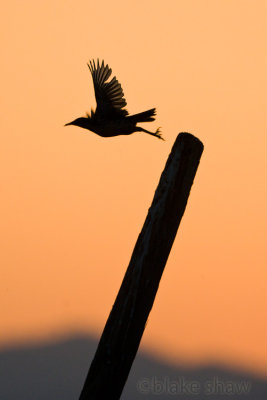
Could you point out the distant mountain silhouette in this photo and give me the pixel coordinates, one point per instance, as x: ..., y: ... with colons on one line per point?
x: 57, y: 370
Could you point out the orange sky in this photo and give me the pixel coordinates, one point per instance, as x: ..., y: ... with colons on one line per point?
x: 73, y: 203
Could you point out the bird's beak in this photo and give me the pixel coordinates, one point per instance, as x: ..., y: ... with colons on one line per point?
x: 69, y: 123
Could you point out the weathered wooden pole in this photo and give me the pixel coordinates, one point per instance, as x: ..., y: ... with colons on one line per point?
x: 126, y: 323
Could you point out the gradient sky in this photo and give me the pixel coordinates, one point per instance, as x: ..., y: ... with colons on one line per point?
x: 73, y: 203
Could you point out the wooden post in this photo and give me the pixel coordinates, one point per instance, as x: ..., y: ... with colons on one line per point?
x: 126, y: 323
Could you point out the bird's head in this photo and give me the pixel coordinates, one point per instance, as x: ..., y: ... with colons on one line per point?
x: 81, y: 122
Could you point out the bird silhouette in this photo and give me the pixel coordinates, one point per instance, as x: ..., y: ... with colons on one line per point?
x: 110, y: 117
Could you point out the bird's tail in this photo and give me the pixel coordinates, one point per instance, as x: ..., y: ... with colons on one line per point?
x: 145, y: 116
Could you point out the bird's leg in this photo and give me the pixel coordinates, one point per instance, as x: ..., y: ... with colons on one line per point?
x: 157, y: 133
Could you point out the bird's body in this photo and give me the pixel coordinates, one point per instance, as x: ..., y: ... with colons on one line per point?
x: 107, y: 128
x: 110, y: 118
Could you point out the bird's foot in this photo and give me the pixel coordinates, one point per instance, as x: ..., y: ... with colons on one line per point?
x: 158, y: 134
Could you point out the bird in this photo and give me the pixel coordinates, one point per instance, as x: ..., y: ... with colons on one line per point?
x: 110, y: 117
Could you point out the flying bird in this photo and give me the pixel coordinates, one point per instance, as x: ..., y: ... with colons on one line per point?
x: 110, y: 117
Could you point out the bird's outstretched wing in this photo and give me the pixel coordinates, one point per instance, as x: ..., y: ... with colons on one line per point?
x: 109, y: 95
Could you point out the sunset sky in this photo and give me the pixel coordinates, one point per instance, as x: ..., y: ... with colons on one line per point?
x: 73, y: 203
